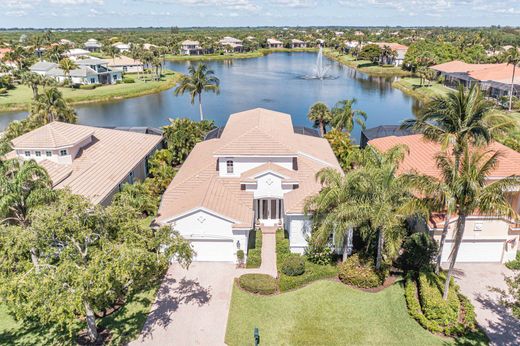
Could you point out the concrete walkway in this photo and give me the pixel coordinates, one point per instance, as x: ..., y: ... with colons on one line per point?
x: 192, y: 305
x: 475, y: 281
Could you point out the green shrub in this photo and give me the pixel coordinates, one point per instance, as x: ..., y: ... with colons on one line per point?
x: 514, y: 264
x: 119, y: 81
x: 254, y: 253
x: 359, y: 272
x: 258, y: 283
x: 293, y: 265
x: 3, y: 91
x: 282, y: 247
x: 128, y: 80
x: 88, y: 86
x: 240, y: 257
x: 312, y: 273
x: 414, y: 307
x: 435, y: 308
x: 321, y: 255
x: 419, y: 252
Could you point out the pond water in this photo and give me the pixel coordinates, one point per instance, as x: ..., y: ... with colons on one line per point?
x: 277, y: 81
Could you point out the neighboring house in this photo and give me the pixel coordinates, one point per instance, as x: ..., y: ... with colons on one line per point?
x: 339, y: 33
x: 76, y: 53
x: 66, y: 42
x: 399, y: 49
x: 148, y: 46
x: 359, y: 33
x: 256, y: 172
x: 90, y: 161
x: 274, y: 43
x: 89, y: 71
x: 122, y: 47
x: 231, y: 44
x: 382, y: 131
x: 298, y: 43
x: 189, y: 47
x: 92, y: 45
x: 4, y: 51
x: 351, y: 44
x: 487, y: 238
x: 494, y: 79
x: 126, y: 64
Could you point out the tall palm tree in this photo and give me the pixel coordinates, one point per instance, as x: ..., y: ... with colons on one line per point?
x: 51, y: 106
x: 513, y: 58
x: 68, y: 65
x: 343, y: 116
x: 198, y: 80
x: 473, y: 193
x: 387, y: 55
x: 33, y: 81
x: 371, y: 198
x: 321, y: 115
x: 459, y: 118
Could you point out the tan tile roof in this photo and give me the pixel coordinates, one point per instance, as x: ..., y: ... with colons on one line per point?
x: 460, y: 67
x: 392, y: 45
x: 198, y: 185
x: 502, y: 73
x: 52, y: 136
x: 123, y: 61
x: 103, y: 164
x: 421, y: 157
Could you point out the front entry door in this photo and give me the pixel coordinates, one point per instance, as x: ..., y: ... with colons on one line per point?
x: 269, y: 210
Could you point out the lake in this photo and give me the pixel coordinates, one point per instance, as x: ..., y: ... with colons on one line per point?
x: 275, y: 81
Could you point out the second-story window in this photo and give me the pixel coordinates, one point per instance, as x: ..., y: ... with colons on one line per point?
x: 27, y: 153
x: 63, y: 152
x: 48, y: 153
x: 229, y: 165
x: 38, y: 153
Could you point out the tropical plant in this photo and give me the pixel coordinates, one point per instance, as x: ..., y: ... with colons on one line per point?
x: 342, y: 147
x: 387, y: 55
x: 512, y: 58
x: 33, y: 81
x: 198, y: 80
x: 344, y: 117
x: 320, y: 114
x: 51, y: 106
x: 418, y: 252
x: 67, y: 65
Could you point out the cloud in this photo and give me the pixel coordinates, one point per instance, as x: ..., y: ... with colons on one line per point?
x: 294, y: 3
x: 77, y: 2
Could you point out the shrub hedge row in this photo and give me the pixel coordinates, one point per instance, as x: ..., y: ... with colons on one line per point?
x: 435, y: 308
x: 414, y: 307
x: 258, y: 283
x: 254, y: 254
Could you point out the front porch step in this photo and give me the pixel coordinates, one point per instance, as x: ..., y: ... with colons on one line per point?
x: 268, y: 230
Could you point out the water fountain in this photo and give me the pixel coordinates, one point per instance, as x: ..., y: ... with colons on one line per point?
x: 320, y: 71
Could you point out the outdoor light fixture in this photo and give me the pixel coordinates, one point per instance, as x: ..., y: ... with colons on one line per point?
x: 238, y: 244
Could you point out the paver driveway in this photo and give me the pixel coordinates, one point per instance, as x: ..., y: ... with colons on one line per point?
x: 475, y: 280
x: 191, y: 307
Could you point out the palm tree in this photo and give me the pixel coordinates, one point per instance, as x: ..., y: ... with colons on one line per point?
x: 387, y: 55
x: 459, y: 118
x: 33, y: 81
x: 372, y: 199
x: 111, y: 51
x: 38, y: 41
x: 513, y: 58
x: 157, y: 63
x: 197, y: 81
x: 473, y: 193
x: 68, y: 65
x: 51, y: 106
x: 320, y: 114
x: 343, y: 116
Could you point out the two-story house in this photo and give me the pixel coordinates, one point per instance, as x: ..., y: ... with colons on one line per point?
x: 88, y: 71
x: 189, y: 47
x: 90, y: 161
x: 256, y: 172
x: 273, y: 43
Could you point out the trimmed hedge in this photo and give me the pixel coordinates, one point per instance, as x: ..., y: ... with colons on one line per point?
x: 293, y: 265
x: 414, y: 307
x: 254, y: 253
x: 443, y: 312
x: 312, y: 272
x: 359, y: 272
x: 128, y: 80
x: 258, y: 283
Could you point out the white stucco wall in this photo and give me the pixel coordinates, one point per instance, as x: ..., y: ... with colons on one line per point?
x: 243, y: 164
x: 299, y: 228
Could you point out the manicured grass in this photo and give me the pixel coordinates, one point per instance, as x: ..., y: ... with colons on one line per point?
x: 225, y: 56
x: 366, y: 66
x: 412, y: 87
x: 124, y: 325
x: 20, y: 97
x: 326, y: 313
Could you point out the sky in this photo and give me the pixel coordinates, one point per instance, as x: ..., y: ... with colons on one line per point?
x: 187, y: 13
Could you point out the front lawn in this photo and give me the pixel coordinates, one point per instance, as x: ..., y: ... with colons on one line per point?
x: 124, y: 325
x: 325, y: 313
x: 412, y: 87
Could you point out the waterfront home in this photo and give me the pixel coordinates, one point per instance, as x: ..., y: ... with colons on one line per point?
x: 359, y: 33
x: 382, y: 131
x: 487, y: 238
x: 90, y: 161
x: 339, y: 33
x: 231, y: 44
x: 399, y: 49
x: 493, y: 79
x: 121, y: 47
x: 257, y: 171
x: 77, y: 53
x: 274, y: 43
x: 189, y: 47
x: 126, y: 64
x: 295, y: 43
x: 89, y: 71
x: 92, y: 45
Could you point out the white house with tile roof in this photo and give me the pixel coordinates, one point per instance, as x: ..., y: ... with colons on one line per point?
x: 257, y: 171
x: 90, y: 161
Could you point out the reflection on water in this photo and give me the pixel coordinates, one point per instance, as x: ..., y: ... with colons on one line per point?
x: 273, y: 81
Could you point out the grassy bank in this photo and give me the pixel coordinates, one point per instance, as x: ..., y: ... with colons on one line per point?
x: 227, y: 56
x: 20, y: 97
x: 412, y: 87
x: 366, y: 66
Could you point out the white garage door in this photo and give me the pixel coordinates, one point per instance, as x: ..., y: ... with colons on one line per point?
x: 213, y: 250
x: 476, y: 251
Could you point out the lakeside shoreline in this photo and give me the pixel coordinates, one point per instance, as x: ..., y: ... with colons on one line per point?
x: 248, y: 55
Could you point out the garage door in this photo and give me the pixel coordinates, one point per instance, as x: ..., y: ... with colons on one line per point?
x: 476, y: 251
x: 213, y: 250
